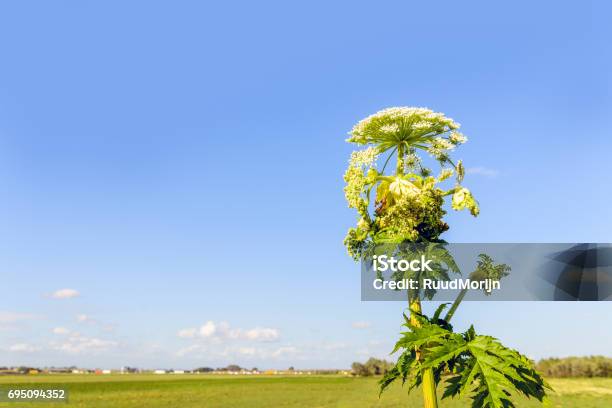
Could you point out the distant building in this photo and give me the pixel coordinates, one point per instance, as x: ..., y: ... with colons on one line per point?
x: 56, y: 370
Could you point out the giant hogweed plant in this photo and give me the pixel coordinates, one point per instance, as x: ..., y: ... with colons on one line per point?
x: 404, y: 205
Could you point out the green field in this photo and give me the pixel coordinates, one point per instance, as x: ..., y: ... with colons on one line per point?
x: 149, y: 390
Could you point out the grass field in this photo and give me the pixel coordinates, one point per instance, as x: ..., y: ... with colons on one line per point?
x: 267, y: 391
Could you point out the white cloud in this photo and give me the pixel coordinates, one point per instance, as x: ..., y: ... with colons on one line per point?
x: 61, y: 330
x: 361, y: 325
x: 262, y: 334
x: 65, y: 294
x: 23, y: 348
x: 83, y: 318
x: 12, y: 317
x: 77, y: 344
x: 187, y: 333
x: 223, y: 331
x: 483, y: 171
x: 208, y: 329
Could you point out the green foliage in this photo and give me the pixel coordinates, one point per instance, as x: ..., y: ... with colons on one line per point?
x: 592, y: 366
x: 476, y: 365
x: 487, y: 269
x: 373, y: 366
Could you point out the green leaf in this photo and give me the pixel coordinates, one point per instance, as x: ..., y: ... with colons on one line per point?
x: 500, y: 371
x: 405, y: 364
x: 420, y: 336
x: 470, y: 334
x: 483, y: 367
x: 447, y: 351
x: 439, y: 311
x: 453, y: 387
x: 404, y: 369
x: 387, y: 379
x: 406, y: 319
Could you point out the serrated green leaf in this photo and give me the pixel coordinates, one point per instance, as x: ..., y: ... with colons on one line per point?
x: 453, y: 387
x: 420, y: 336
x: 439, y: 311
x: 387, y: 379
x: 447, y: 351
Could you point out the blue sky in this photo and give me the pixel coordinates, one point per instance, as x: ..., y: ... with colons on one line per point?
x: 179, y: 166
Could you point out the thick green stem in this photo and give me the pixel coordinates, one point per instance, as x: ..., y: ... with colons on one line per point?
x: 430, y: 400
x: 401, y: 152
x: 455, y: 305
x: 476, y: 275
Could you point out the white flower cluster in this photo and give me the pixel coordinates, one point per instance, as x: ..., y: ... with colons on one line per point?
x: 439, y: 154
x: 392, y: 120
x: 457, y: 138
x: 366, y: 157
x: 442, y: 144
x: 360, y: 172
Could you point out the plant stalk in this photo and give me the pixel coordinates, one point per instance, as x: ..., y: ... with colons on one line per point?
x: 455, y: 305
x: 399, y: 168
x: 430, y: 399
x: 476, y: 275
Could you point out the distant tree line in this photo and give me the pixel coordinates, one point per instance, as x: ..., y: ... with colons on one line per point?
x: 373, y: 366
x: 592, y: 366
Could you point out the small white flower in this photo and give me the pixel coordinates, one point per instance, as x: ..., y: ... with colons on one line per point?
x: 391, y: 128
x: 421, y: 125
x: 457, y: 138
x: 365, y: 157
x: 442, y: 144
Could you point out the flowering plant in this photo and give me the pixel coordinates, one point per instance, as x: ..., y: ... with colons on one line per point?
x: 408, y: 204
x: 408, y: 208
